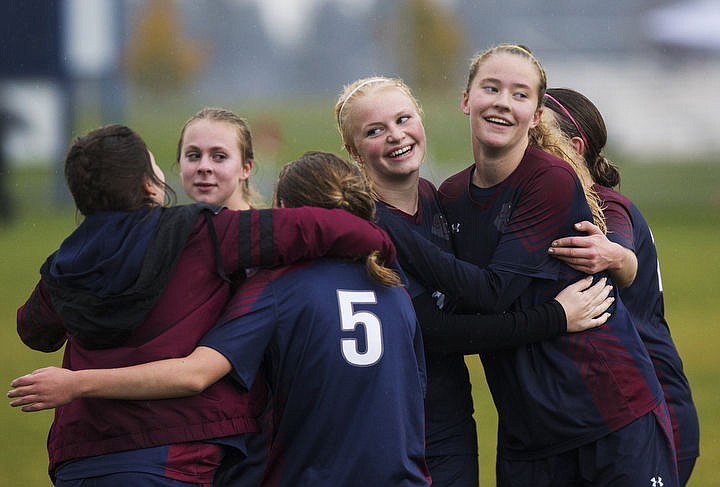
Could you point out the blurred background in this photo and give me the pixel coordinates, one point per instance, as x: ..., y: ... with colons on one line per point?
x: 651, y: 66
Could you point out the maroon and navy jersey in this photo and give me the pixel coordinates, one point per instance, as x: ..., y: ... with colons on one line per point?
x: 644, y: 300
x: 558, y: 394
x: 450, y: 428
x: 344, y: 361
x: 188, y: 305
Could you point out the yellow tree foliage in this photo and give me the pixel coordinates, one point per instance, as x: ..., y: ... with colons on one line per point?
x: 159, y: 57
x: 434, y: 45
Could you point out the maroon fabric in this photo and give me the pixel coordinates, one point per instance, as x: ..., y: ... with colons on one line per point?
x: 189, y: 306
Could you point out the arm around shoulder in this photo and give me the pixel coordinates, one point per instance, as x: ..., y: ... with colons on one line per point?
x: 52, y: 387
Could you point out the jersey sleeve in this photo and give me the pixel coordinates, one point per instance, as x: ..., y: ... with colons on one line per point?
x: 550, y: 204
x: 265, y: 238
x: 619, y: 224
x: 473, y: 288
x: 38, y: 325
x: 542, y: 213
x: 473, y: 333
x: 246, y: 328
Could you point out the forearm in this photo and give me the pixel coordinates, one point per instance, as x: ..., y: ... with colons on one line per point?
x: 437, y: 269
x: 52, y: 386
x: 307, y: 233
x: 156, y: 380
x: 623, y: 267
x: 472, y: 333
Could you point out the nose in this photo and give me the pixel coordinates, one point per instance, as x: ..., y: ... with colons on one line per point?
x: 395, y: 133
x: 503, y: 99
x: 205, y: 165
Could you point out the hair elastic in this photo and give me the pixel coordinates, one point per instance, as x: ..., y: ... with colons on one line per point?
x: 567, y: 113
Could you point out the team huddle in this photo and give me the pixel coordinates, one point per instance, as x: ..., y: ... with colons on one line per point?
x: 322, y: 342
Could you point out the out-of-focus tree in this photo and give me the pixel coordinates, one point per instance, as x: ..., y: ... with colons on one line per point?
x: 159, y: 57
x: 433, y: 45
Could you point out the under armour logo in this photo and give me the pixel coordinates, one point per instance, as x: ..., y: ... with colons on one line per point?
x: 455, y: 227
x: 657, y: 482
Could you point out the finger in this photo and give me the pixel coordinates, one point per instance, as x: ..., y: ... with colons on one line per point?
x: 22, y: 401
x: 38, y: 406
x: 21, y: 391
x: 581, y: 284
x: 598, y: 287
x: 564, y: 254
x: 603, y: 307
x: 562, y: 242
x: 24, y: 380
x: 588, y: 227
x: 600, y: 291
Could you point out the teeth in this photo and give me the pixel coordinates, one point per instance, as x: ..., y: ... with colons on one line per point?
x: 498, y: 120
x: 400, y: 152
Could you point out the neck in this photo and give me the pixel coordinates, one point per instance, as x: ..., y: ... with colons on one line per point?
x: 493, y: 166
x: 236, y: 202
x: 403, y: 196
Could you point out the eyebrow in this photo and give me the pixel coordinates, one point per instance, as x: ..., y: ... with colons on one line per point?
x: 514, y: 85
x: 213, y: 148
x: 401, y: 113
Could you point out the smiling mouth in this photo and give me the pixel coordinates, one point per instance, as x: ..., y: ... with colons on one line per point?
x: 498, y: 121
x: 401, y: 151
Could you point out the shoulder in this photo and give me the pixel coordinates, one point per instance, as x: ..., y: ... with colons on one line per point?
x: 540, y: 162
x: 426, y: 189
x: 609, y: 195
x: 545, y: 172
x: 456, y: 184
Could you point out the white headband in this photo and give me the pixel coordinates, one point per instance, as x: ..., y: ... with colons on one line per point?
x: 364, y: 83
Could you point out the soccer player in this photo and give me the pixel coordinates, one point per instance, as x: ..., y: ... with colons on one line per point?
x: 381, y: 125
x: 581, y: 120
x: 561, y: 399
x: 583, y: 408
x: 344, y: 356
x: 137, y: 281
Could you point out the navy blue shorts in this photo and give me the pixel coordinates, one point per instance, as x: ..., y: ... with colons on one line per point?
x: 451, y: 455
x: 639, y: 454
x: 126, y: 479
x: 453, y: 470
x: 177, y: 465
x: 685, y: 468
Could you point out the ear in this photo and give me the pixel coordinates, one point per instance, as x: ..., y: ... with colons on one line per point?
x: 247, y: 166
x: 536, y: 118
x: 464, y: 103
x: 578, y: 144
x: 150, y: 188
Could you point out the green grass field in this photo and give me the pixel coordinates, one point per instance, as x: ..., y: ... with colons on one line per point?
x: 681, y: 203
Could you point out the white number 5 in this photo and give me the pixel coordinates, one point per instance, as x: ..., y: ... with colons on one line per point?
x: 349, y: 319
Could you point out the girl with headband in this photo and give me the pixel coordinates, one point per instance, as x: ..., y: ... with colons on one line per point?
x: 583, y: 123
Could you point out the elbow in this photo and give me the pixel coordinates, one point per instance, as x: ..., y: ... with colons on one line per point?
x: 41, y: 343
x: 195, y: 385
